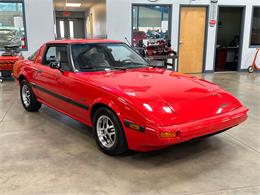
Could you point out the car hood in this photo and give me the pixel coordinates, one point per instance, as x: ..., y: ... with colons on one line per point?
x: 166, y: 96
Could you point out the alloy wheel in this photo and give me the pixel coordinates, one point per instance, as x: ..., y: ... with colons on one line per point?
x: 106, y: 131
x: 26, y: 95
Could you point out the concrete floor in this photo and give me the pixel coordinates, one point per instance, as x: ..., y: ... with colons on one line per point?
x: 48, y: 153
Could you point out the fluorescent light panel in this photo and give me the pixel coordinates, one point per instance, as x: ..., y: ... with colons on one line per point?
x: 73, y: 4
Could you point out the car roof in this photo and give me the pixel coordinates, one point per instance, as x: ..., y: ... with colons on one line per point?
x: 79, y: 41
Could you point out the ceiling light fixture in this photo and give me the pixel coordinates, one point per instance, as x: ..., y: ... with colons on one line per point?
x: 73, y: 4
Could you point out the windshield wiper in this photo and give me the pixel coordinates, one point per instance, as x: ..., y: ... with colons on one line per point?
x: 88, y: 68
x: 119, y: 68
x: 133, y: 63
x: 156, y: 66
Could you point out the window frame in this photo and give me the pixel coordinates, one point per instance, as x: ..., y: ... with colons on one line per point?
x: 151, y: 4
x: 24, y: 21
x: 43, y: 62
x: 251, y: 28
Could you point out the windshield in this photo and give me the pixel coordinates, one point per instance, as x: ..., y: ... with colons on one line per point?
x: 33, y: 56
x: 101, y: 56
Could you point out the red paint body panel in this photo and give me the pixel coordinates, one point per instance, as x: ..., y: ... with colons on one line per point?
x: 157, y: 99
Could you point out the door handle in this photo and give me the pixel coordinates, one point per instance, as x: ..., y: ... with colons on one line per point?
x: 180, y: 43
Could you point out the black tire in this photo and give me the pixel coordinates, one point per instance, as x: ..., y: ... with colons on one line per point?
x: 32, y: 105
x: 120, y: 144
x: 251, y: 69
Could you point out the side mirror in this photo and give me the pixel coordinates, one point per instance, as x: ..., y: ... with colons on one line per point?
x: 55, y: 65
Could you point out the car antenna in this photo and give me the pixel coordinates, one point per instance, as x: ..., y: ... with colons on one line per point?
x: 128, y: 42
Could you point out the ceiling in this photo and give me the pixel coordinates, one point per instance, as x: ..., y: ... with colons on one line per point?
x: 59, y: 5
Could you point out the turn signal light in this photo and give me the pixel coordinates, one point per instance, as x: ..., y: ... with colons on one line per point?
x: 168, y: 134
x: 134, y: 126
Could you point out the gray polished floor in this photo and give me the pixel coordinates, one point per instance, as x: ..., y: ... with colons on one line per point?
x: 48, y: 153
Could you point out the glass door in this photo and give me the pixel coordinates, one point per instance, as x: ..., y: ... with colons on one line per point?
x: 69, y: 28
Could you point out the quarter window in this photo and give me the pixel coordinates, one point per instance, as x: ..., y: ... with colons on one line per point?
x: 60, y: 54
x: 33, y: 56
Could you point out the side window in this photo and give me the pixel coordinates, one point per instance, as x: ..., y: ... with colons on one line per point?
x: 51, y: 55
x: 60, y: 54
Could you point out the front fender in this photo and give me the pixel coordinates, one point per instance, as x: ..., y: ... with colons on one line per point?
x: 126, y: 111
x: 123, y: 109
x: 111, y: 104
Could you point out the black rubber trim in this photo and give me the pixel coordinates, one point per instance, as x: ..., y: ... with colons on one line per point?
x: 209, y: 135
x: 128, y: 124
x: 60, y: 97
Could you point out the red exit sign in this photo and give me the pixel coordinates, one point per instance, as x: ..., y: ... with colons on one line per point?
x: 66, y: 14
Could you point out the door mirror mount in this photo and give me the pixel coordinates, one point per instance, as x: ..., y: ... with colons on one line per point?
x: 55, y: 65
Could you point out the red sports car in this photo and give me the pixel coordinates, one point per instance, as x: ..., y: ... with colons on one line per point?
x: 129, y: 104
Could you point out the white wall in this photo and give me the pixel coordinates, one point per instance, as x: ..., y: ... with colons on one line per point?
x: 98, y: 11
x: 119, y: 24
x: 39, y: 23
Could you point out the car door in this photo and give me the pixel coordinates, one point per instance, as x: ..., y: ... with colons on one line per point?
x: 55, y: 87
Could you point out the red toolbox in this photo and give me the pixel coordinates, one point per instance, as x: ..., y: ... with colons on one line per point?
x: 6, y: 65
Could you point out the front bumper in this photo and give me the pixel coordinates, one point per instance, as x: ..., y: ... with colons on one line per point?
x: 151, y: 140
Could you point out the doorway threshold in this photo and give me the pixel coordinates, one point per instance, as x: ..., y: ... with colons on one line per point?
x: 226, y: 72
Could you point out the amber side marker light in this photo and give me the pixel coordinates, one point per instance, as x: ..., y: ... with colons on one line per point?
x: 134, y: 126
x: 169, y: 134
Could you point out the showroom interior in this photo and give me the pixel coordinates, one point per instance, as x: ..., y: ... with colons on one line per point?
x: 183, y: 42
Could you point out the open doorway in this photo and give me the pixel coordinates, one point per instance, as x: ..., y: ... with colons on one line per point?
x: 72, y: 26
x: 77, y: 19
x: 229, y: 38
